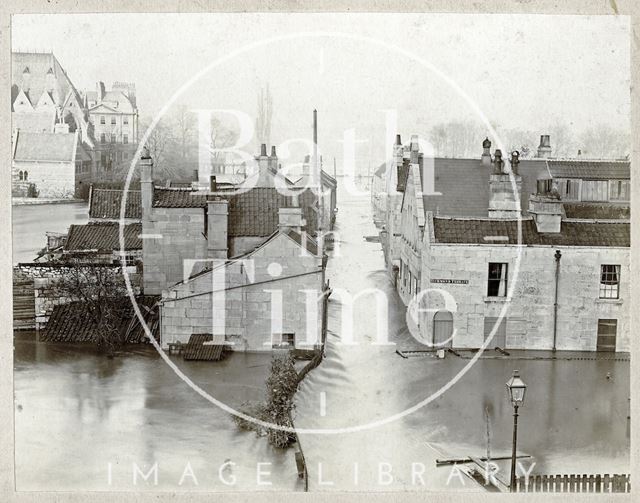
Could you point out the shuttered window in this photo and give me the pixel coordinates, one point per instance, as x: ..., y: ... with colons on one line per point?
x: 607, y: 329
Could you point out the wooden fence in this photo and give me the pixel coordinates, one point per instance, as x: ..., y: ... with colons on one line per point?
x: 574, y: 484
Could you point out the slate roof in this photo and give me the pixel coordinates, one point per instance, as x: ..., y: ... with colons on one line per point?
x: 103, y: 236
x: 252, y: 213
x: 73, y: 323
x: 105, y: 203
x: 597, y: 211
x: 34, y: 122
x: 59, y: 147
x: 327, y: 179
x: 197, y: 350
x: 464, y: 184
x: 308, y: 244
x: 573, y: 233
x: 39, y: 64
x: 592, y: 170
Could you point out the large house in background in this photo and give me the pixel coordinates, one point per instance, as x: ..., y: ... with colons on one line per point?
x: 114, y: 117
x: 460, y: 242
x: 103, y: 125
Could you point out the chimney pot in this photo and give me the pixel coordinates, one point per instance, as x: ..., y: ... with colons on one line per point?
x: 213, y: 185
x: 263, y: 149
x: 398, y: 140
x: 273, y: 151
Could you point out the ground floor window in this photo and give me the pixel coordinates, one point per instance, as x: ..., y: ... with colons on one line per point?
x: 607, y: 329
x: 500, y: 336
x: 283, y: 341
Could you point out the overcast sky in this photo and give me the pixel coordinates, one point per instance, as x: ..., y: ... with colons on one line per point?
x: 527, y: 71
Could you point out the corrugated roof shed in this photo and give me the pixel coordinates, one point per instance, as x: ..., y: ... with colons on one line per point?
x: 105, y: 203
x: 73, y: 323
x: 196, y: 349
x: 103, y: 236
x: 494, y: 231
x: 57, y: 147
x: 591, y: 170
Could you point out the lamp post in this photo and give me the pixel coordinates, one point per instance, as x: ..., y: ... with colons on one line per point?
x: 516, y: 389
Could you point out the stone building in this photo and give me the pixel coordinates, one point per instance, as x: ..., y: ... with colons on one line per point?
x: 185, y: 230
x: 113, y: 115
x: 100, y: 242
x: 47, y: 165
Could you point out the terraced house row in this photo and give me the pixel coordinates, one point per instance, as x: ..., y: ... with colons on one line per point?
x: 531, y: 253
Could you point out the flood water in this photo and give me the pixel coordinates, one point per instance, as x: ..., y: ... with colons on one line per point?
x: 574, y: 419
x: 77, y: 413
x: 31, y: 222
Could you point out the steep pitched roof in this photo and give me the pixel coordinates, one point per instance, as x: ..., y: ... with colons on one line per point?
x: 251, y: 213
x: 34, y: 122
x: 105, y: 203
x: 40, y: 65
x: 103, y: 236
x: 45, y: 147
x: 464, y: 186
x: 496, y: 232
x: 594, y: 170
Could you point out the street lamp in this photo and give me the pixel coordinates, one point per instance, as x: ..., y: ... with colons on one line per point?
x: 516, y: 389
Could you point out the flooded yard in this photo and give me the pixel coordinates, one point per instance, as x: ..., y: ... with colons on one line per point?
x: 79, y: 413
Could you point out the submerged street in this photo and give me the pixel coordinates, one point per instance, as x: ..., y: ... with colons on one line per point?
x: 83, y: 421
x: 574, y: 419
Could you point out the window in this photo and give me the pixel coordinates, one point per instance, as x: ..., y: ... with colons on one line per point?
x: 416, y: 286
x: 21, y: 175
x: 609, y: 281
x: 282, y: 341
x: 606, y: 340
x: 497, y: 282
x: 26, y: 175
x: 102, y: 121
x: 410, y: 281
x: 113, y: 138
x: 570, y: 190
x: 125, y: 156
x: 619, y: 190
x: 113, y: 120
x: 125, y: 120
x: 594, y: 190
x: 125, y: 138
x: 103, y: 138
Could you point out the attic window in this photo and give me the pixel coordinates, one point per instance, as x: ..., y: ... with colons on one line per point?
x: 50, y: 71
x: 26, y: 70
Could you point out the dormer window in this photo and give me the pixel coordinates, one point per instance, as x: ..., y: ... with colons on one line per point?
x: 25, y: 71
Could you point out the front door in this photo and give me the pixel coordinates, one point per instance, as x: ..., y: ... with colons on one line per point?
x: 607, y: 335
x: 442, y: 329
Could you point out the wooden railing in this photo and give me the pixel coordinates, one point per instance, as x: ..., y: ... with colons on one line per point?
x: 574, y: 484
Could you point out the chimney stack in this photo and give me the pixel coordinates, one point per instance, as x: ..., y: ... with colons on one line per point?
x: 217, y: 221
x: 290, y: 219
x: 146, y: 183
x: 415, y: 149
x: 273, y: 159
x: 546, y: 208
x: 486, y: 152
x: 504, y: 202
x: 544, y: 149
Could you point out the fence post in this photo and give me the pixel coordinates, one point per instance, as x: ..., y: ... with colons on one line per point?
x: 598, y: 484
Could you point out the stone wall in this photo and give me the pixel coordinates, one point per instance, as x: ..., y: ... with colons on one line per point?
x: 248, y: 304
x: 172, y: 235
x: 530, y: 313
x: 52, y: 179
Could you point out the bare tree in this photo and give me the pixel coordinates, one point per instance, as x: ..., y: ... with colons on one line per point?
x: 184, y: 121
x: 100, y: 291
x: 158, y: 144
x: 605, y: 142
x: 263, y: 116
